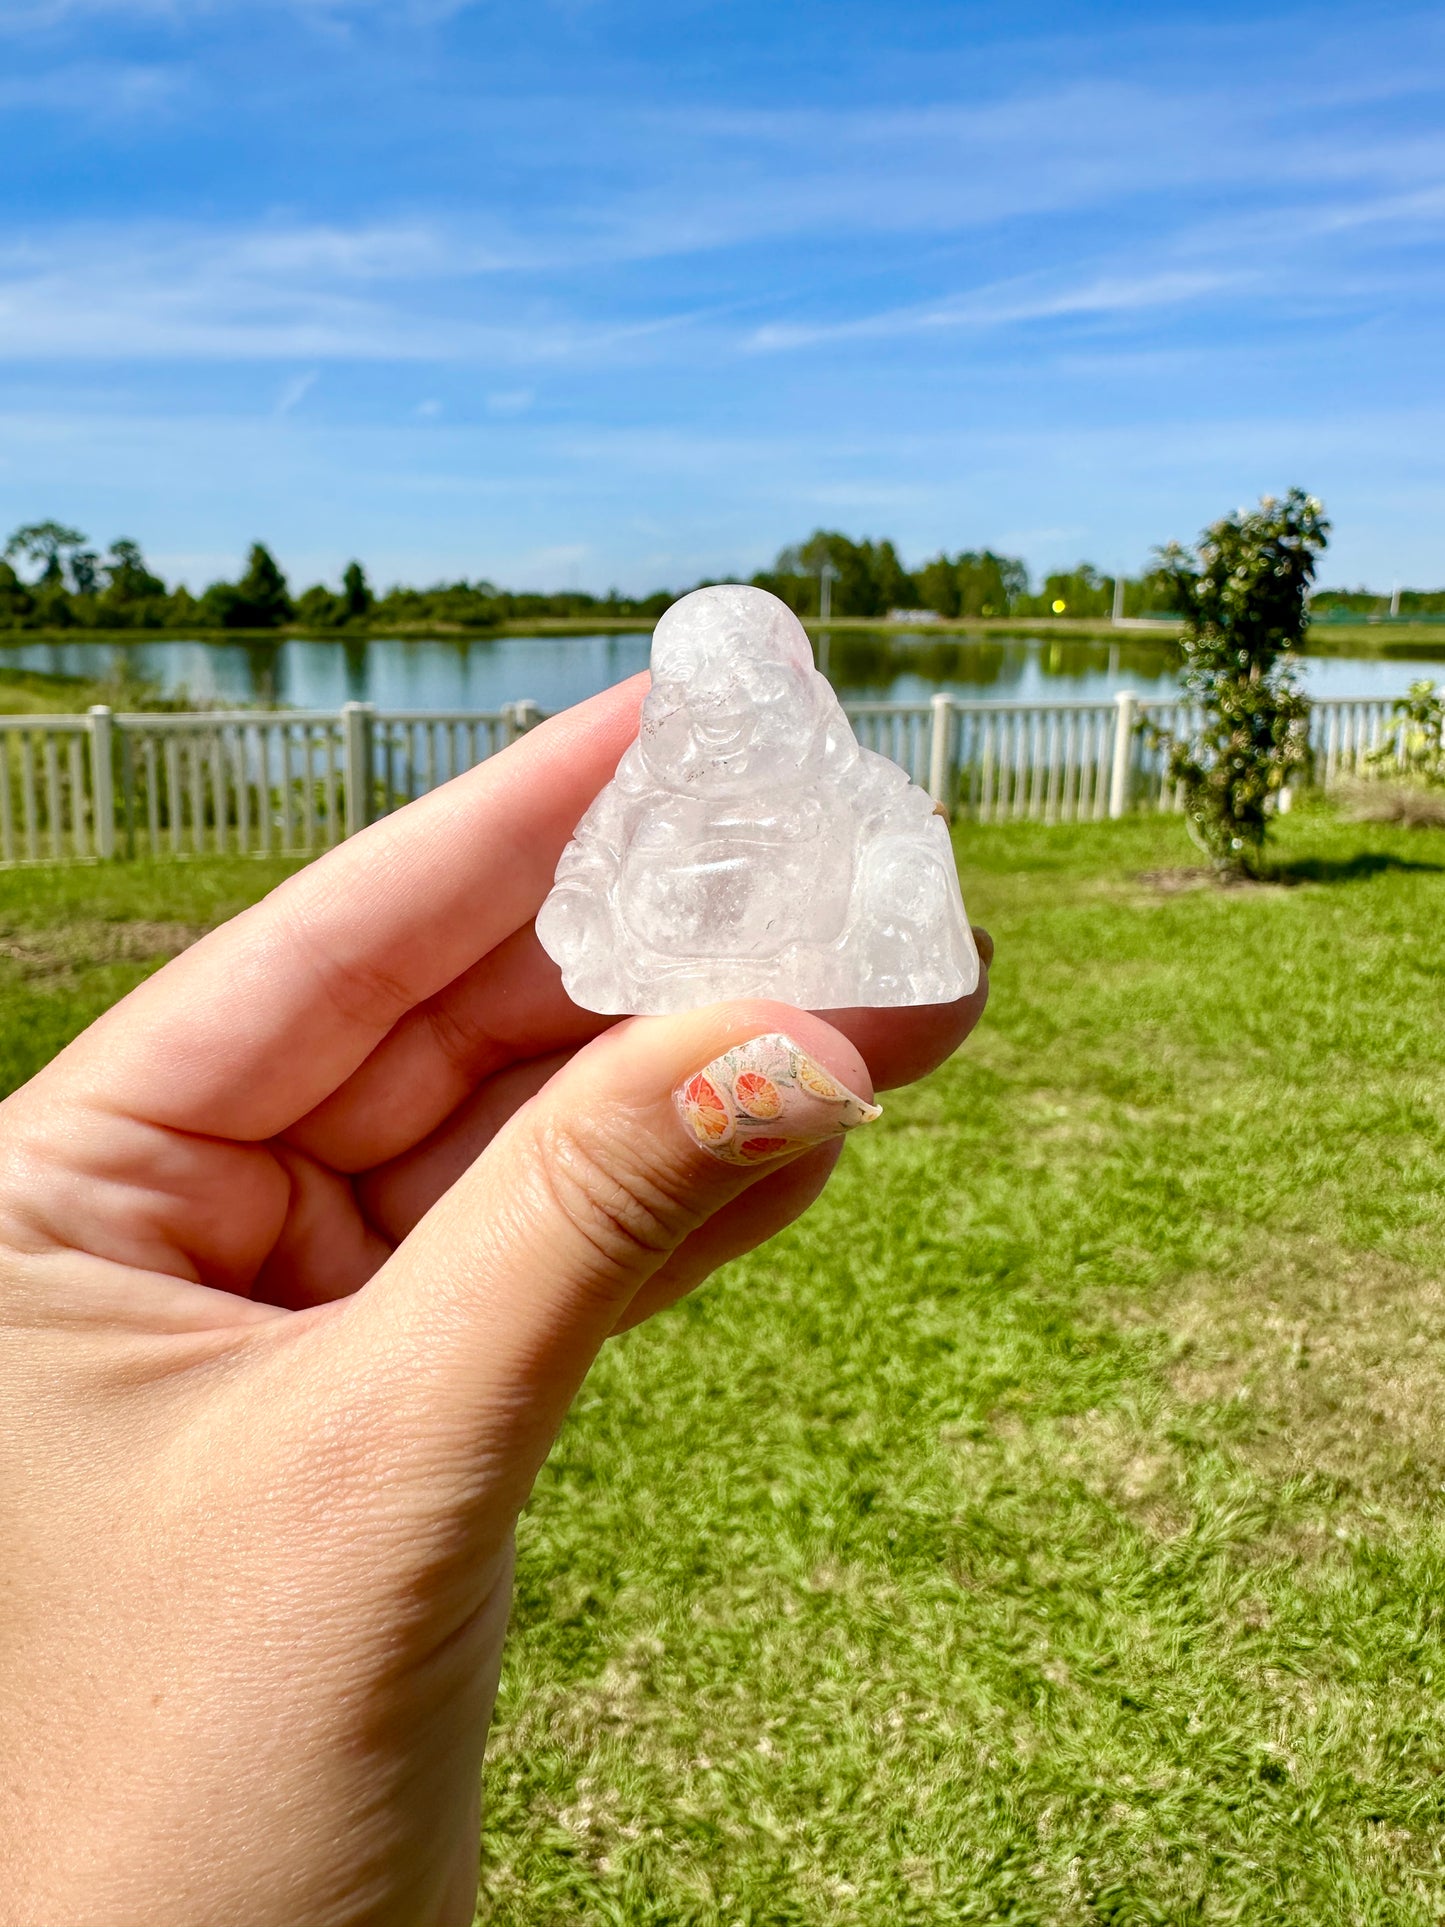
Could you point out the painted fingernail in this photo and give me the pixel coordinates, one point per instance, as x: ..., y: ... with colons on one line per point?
x: 764, y: 1098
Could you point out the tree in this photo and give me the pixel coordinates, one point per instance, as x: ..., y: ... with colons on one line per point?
x: 938, y: 587
x: 1083, y: 591
x: 127, y: 579
x: 263, y: 589
x: 356, y: 593
x: 258, y: 601
x: 318, y: 608
x: 46, y: 544
x: 1244, y: 597
x: 975, y: 582
x: 132, y: 597
x: 16, y: 601
x: 989, y: 584
x: 868, y: 578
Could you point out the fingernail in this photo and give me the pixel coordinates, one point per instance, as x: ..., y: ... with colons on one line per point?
x: 764, y: 1098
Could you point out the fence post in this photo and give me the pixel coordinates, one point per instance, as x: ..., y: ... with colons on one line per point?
x: 938, y: 745
x: 1124, y: 719
x: 356, y: 719
x: 102, y: 779
x: 518, y: 718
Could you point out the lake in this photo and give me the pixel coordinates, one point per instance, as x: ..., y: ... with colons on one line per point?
x: 554, y: 671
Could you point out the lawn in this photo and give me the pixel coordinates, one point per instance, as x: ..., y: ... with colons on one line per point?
x: 1049, y: 1529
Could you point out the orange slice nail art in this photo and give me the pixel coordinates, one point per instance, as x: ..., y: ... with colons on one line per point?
x: 768, y: 1080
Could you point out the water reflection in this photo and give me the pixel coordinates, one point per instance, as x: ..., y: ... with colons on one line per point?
x: 903, y: 666
x: 554, y: 671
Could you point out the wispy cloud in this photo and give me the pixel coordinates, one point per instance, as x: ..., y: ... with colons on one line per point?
x: 48, y: 16
x: 1005, y: 303
x: 1414, y: 211
x: 93, y: 90
x: 510, y: 401
x: 295, y: 391
x: 309, y: 293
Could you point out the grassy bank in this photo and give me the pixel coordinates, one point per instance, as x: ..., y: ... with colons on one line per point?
x: 1047, y: 1531
x: 1419, y: 639
x: 34, y: 692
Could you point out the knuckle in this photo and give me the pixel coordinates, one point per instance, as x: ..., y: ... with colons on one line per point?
x: 628, y: 1216
x: 360, y: 989
x: 460, y: 1032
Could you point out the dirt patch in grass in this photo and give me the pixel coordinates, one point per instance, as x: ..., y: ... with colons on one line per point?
x: 1413, y: 805
x: 1307, y: 1391
x: 58, y: 954
x: 1338, y: 1356
x: 1174, y: 882
x: 1170, y: 883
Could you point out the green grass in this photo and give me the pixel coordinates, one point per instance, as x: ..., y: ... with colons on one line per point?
x: 37, y: 692
x: 72, y: 941
x: 1049, y: 1529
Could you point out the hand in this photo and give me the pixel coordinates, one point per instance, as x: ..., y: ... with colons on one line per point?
x: 305, y: 1248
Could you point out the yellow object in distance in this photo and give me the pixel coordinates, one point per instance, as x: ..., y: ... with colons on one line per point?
x: 1059, y: 608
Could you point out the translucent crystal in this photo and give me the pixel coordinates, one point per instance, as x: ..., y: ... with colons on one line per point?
x: 748, y: 846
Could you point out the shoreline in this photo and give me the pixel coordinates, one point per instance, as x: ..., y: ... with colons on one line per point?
x: 1325, y: 639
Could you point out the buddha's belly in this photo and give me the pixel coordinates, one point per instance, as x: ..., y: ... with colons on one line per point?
x: 731, y: 897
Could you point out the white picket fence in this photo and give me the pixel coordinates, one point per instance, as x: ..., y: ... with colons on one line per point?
x: 294, y: 782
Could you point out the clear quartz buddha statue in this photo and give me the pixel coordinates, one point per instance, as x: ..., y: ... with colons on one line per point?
x: 748, y: 846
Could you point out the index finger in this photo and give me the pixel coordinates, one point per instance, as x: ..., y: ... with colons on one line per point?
x: 253, y: 1026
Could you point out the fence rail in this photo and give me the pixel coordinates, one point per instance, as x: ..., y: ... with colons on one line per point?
x: 294, y: 782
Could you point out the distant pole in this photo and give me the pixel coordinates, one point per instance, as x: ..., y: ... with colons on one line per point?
x: 1395, y: 600
x: 1118, y: 615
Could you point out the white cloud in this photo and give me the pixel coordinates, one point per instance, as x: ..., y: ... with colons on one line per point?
x: 18, y: 17
x: 304, y: 293
x: 727, y: 499
x: 1007, y: 302
x: 510, y: 401
x: 49, y: 16
x: 94, y: 90
x: 295, y: 391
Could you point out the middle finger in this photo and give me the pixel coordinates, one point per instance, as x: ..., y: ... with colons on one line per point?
x: 509, y: 1008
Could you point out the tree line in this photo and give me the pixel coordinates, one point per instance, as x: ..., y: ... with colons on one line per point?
x: 52, y: 578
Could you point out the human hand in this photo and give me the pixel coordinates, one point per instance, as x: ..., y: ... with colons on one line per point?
x: 305, y: 1248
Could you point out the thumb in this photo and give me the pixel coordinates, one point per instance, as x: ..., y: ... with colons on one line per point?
x: 491, y: 1311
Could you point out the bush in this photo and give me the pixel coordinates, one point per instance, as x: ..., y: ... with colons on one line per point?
x: 1414, y: 744
x: 1243, y: 595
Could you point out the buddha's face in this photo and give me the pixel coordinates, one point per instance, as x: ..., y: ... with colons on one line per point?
x: 735, y: 697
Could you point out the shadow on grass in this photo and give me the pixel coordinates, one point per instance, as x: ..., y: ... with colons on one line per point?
x: 1350, y: 869
x: 1284, y: 875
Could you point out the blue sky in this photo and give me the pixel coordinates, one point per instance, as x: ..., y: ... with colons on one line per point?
x: 582, y: 292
